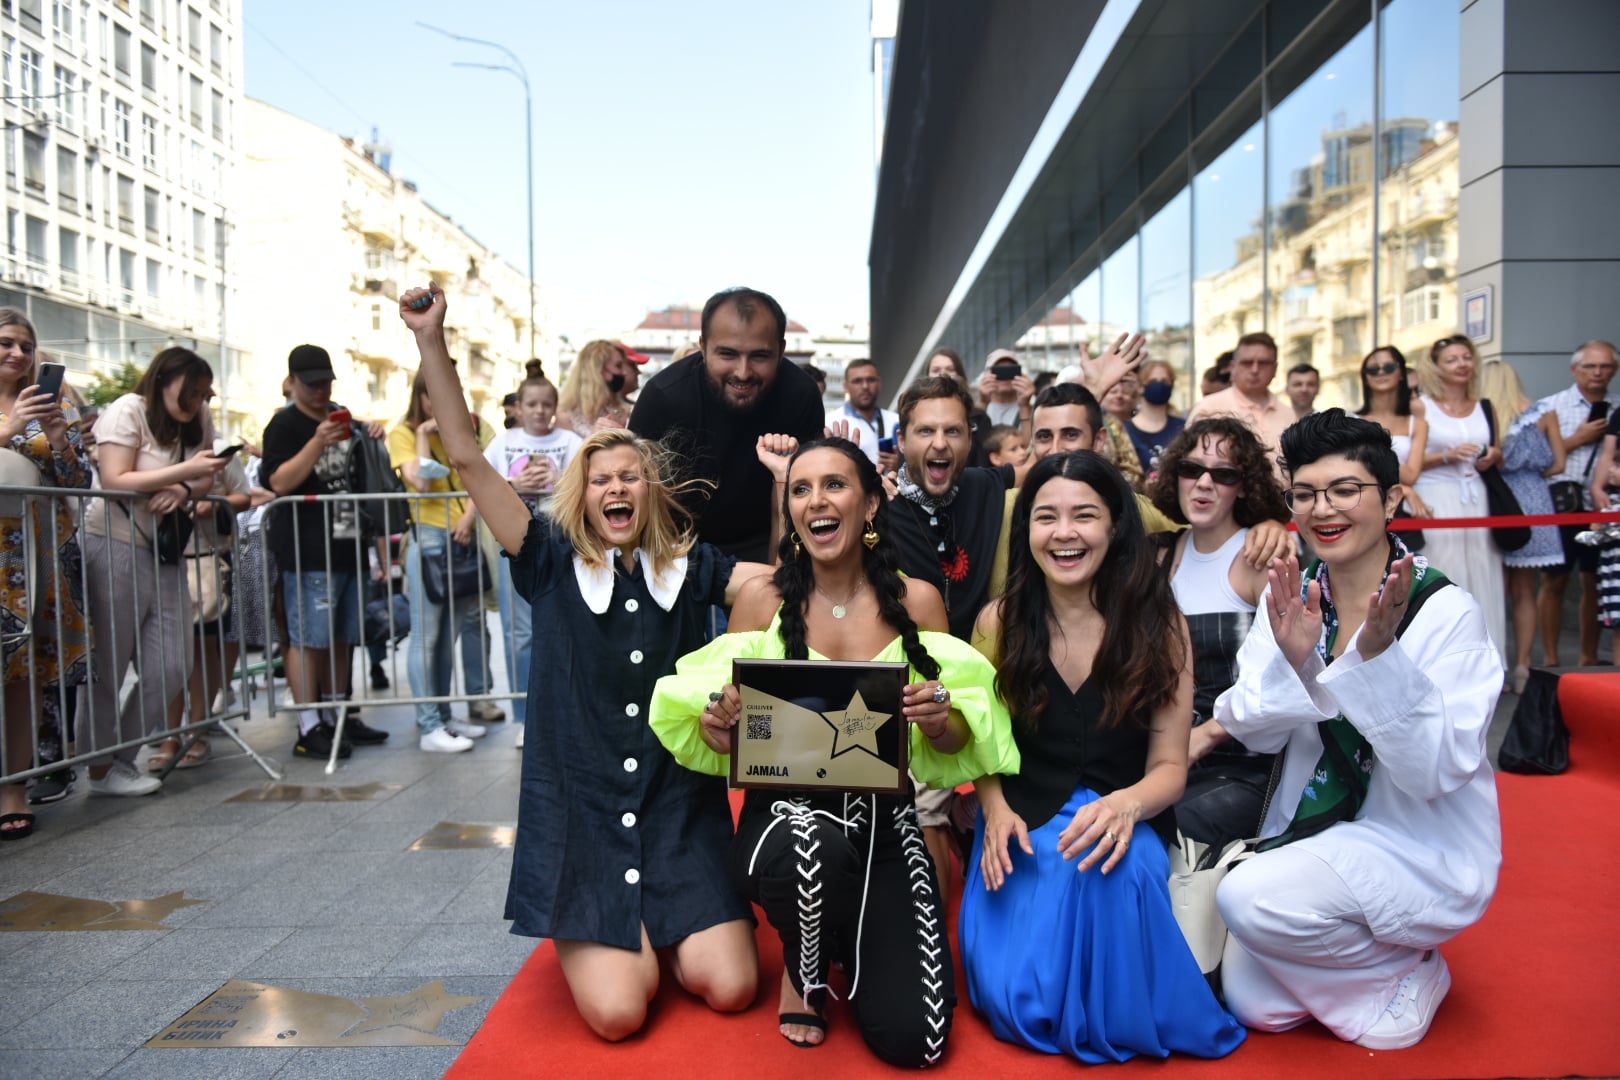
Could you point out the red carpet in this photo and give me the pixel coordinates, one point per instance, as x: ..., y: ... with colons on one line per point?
x: 1536, y: 993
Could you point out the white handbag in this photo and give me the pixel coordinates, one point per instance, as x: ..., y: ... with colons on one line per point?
x: 1195, y: 873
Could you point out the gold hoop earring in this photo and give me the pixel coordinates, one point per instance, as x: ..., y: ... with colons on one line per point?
x: 870, y: 537
x: 798, y: 548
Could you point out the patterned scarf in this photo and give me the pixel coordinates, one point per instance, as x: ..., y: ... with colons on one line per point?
x: 953, y: 558
x: 1338, y: 785
x: 913, y: 492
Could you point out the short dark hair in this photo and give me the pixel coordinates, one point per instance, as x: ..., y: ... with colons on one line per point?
x: 865, y: 361
x: 1304, y: 369
x: 747, y: 303
x: 1259, y: 337
x: 929, y: 388
x: 1224, y: 361
x: 1261, y: 500
x: 1061, y: 394
x: 814, y: 372
x: 1331, y: 432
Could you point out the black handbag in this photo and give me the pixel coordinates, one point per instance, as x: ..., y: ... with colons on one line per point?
x: 171, y: 536
x: 1499, y: 498
x: 466, y: 574
x: 1537, y: 742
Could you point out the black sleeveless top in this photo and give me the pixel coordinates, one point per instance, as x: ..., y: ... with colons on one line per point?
x: 1069, y: 749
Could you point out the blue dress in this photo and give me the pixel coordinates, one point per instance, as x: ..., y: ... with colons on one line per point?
x: 1526, y: 454
x: 1089, y: 965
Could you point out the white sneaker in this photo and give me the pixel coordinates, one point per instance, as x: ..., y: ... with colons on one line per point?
x: 487, y: 711
x: 1406, y: 1019
x: 521, y: 729
x: 466, y: 729
x: 443, y: 741
x: 124, y: 779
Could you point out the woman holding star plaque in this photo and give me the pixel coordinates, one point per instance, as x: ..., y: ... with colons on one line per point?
x: 844, y: 875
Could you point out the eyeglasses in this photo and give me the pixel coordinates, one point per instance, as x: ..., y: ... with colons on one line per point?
x: 1342, y: 495
x: 1224, y: 475
x: 1381, y: 369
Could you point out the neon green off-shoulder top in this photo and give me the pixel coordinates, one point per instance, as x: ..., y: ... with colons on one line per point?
x: 679, y: 699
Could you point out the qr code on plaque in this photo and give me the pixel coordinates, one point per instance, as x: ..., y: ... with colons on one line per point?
x: 759, y: 727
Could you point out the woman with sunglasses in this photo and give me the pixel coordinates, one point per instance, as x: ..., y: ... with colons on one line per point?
x: 1460, y: 446
x: 1386, y: 400
x: 1216, y: 479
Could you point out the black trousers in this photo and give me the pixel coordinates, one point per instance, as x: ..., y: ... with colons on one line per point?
x: 1222, y: 803
x: 805, y: 861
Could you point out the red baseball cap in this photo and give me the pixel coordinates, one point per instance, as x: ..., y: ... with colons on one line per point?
x: 640, y: 358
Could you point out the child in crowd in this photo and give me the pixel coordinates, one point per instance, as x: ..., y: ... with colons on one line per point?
x: 621, y: 854
x: 1006, y: 445
x: 531, y: 455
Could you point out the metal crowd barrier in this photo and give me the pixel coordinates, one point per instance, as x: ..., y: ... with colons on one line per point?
x: 346, y: 538
x: 45, y: 552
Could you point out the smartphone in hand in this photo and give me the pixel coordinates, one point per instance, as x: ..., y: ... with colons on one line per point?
x: 1599, y: 411
x: 344, y: 417
x: 51, y: 376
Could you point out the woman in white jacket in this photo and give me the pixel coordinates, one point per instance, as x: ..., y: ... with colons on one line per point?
x: 1383, y: 840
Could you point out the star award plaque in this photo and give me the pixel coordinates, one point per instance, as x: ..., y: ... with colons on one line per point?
x: 820, y: 724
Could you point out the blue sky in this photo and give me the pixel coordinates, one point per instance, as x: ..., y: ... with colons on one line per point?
x: 679, y: 147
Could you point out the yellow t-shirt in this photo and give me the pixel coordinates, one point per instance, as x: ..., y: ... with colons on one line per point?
x: 436, y: 512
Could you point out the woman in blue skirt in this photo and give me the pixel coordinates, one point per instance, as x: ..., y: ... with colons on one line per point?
x: 1067, y: 934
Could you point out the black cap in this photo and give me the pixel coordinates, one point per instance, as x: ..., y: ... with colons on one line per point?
x: 311, y: 363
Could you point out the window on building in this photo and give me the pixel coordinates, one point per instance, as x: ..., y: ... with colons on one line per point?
x: 149, y: 14
x: 199, y: 233
x: 149, y: 141
x: 216, y: 49
x: 123, y: 129
x: 1421, y: 305
x: 67, y: 179
x: 194, y: 33
x: 149, y: 69
x: 196, y: 102
x: 126, y: 274
x: 126, y: 204
x: 35, y: 231
x: 30, y: 80
x: 62, y: 22
x: 67, y: 100
x: 122, y: 45
x: 34, y: 161
x: 219, y: 242
x: 154, y: 279
x: 28, y: 14
x: 154, y: 221
x: 67, y: 247
x: 218, y: 114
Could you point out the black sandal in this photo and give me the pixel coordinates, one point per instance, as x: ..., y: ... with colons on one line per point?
x: 806, y: 1019
x: 25, y: 830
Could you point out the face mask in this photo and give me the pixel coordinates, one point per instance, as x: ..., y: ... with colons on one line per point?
x: 1157, y: 393
x: 615, y: 382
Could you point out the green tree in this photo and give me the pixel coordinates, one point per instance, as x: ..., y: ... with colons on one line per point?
x: 107, y: 389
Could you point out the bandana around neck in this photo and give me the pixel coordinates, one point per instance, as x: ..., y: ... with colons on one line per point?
x: 1338, y: 785
x: 912, y: 492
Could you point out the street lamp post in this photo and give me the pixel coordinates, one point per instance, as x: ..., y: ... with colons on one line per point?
x: 516, y: 69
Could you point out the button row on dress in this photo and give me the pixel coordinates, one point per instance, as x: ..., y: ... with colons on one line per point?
x: 631, y: 604
x: 635, y: 656
x: 632, y: 709
x: 630, y: 764
x: 628, y: 821
x: 632, y: 875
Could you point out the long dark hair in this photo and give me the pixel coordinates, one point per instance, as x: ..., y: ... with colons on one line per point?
x: 170, y: 364
x: 796, y: 579
x: 1403, y: 389
x: 1143, y: 648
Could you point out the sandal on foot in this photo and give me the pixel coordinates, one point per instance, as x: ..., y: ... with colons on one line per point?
x: 197, y: 755
x: 159, y: 759
x: 26, y: 828
x: 806, y: 1019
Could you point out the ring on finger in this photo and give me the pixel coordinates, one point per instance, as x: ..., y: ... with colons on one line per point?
x: 1110, y: 835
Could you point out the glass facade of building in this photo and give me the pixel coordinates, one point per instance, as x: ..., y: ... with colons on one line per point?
x: 1317, y: 201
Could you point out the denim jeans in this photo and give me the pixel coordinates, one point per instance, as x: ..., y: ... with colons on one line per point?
x: 515, y: 616
x: 430, y: 662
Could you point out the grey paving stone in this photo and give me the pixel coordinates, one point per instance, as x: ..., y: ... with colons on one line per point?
x: 322, y: 950
x: 386, y: 904
x: 58, y: 1064
x: 82, y: 954
x: 330, y: 867
x: 369, y: 835
x: 225, y: 1063
x: 25, y: 992
x: 480, y: 902
x: 106, y: 1015
x: 276, y: 904
x: 201, y: 953
x: 371, y: 1063
x: 463, y: 949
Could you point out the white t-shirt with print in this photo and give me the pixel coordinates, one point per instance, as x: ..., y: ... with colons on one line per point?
x: 509, y: 452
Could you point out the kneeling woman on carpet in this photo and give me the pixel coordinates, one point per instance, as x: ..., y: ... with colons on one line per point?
x: 1378, y: 684
x: 1094, y: 665
x: 877, y: 910
x: 620, y: 852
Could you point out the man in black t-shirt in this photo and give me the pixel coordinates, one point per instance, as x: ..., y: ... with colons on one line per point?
x: 316, y: 545
x: 712, y: 407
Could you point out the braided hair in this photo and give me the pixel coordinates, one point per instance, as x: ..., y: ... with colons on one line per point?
x: 795, y: 578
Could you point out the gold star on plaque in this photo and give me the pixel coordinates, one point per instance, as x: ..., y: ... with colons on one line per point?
x: 49, y: 911
x: 855, y: 728
x: 423, y: 1009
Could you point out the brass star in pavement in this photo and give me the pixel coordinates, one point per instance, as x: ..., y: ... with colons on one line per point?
x: 423, y: 1009
x: 855, y: 728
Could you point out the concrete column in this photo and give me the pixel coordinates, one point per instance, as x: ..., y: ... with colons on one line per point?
x: 1539, y: 210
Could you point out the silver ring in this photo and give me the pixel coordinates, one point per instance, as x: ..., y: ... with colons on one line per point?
x: 1110, y: 835
x: 941, y: 695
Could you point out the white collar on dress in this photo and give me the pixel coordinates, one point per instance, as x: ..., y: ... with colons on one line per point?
x: 596, y: 583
